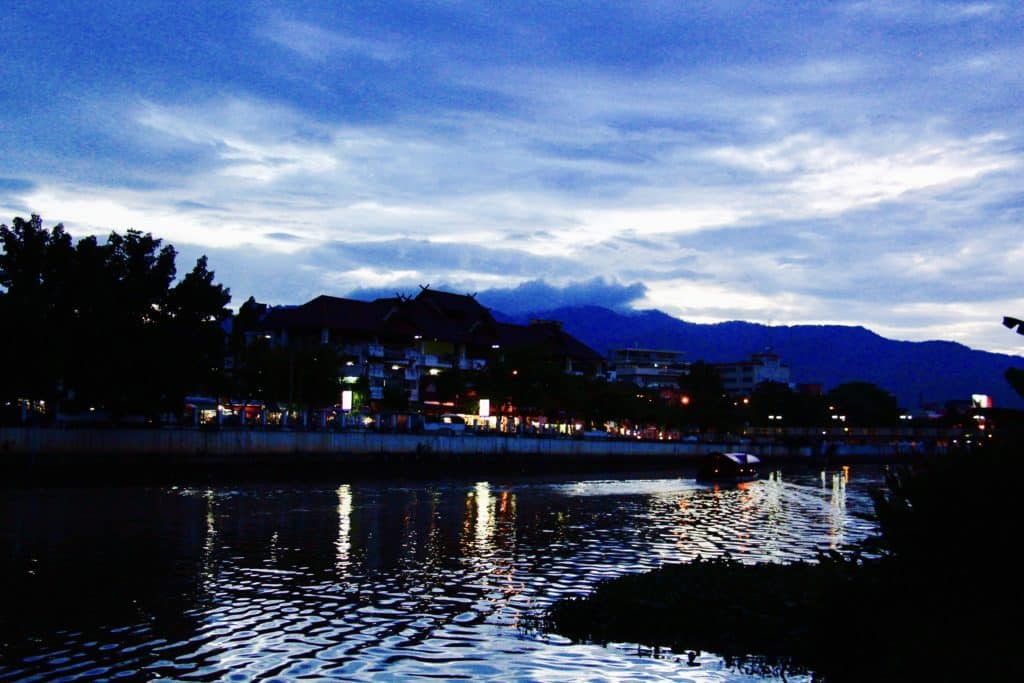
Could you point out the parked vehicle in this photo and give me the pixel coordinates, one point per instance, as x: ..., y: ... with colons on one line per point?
x: 447, y: 423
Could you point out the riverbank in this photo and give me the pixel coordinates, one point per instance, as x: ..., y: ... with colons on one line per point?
x: 47, y: 454
x: 928, y: 600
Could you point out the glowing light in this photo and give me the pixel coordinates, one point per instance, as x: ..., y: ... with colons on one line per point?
x: 343, y: 545
x: 484, y: 527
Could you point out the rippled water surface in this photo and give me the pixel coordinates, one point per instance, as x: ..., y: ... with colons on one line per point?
x: 374, y: 581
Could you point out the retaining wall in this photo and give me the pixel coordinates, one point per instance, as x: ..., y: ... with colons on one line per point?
x: 50, y: 453
x: 185, y: 442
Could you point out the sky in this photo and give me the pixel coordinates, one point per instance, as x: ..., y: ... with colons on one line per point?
x: 778, y: 162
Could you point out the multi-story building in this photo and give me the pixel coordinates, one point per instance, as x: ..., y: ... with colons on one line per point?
x: 740, y: 379
x: 653, y: 368
x: 405, y: 340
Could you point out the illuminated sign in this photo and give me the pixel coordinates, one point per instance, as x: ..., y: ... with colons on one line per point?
x: 485, y: 407
x: 981, y: 400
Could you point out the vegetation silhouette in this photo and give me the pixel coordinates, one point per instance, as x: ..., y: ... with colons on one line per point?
x: 103, y: 325
x: 927, y: 601
x: 1015, y: 376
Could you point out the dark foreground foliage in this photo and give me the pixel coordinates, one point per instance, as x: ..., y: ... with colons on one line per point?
x: 105, y: 326
x: 939, y: 599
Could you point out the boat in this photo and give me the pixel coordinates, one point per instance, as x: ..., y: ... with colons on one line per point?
x: 728, y: 467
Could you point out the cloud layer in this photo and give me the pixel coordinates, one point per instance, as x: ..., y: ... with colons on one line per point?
x: 846, y: 163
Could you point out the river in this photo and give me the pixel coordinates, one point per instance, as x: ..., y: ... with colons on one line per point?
x: 376, y: 580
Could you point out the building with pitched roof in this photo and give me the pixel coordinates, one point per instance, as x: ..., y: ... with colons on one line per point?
x: 405, y: 340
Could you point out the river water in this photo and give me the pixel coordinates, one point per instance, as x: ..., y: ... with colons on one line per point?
x: 384, y: 580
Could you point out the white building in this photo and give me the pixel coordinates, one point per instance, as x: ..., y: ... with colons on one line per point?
x: 740, y: 379
x: 655, y: 368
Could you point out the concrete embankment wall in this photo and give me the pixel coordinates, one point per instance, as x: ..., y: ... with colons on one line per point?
x: 187, y: 442
x: 230, y: 443
x: 48, y: 452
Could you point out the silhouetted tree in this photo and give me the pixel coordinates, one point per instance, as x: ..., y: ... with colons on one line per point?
x: 703, y: 400
x: 30, y: 306
x: 196, y: 309
x: 796, y: 409
x: 864, y: 403
x: 297, y: 377
x: 1015, y: 376
x: 100, y: 325
x: 317, y: 384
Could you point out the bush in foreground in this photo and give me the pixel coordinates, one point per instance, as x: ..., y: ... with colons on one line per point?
x: 937, y: 600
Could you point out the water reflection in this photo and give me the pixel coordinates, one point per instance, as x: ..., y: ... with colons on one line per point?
x: 356, y: 581
x: 344, y: 542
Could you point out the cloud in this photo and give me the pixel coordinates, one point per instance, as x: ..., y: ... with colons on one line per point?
x: 918, y: 11
x: 319, y: 44
x: 539, y: 296
x: 534, y: 296
x: 283, y: 236
x: 826, y: 176
x: 434, y: 257
x: 852, y: 162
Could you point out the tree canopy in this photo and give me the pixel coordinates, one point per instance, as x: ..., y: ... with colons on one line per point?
x: 864, y: 403
x: 105, y: 325
x: 1015, y: 376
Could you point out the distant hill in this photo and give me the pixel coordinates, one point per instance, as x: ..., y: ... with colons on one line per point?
x: 916, y: 372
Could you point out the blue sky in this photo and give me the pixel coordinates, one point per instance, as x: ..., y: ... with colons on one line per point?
x: 785, y: 162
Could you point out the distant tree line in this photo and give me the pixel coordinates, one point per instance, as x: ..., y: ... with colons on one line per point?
x: 104, y: 325
x: 699, y: 403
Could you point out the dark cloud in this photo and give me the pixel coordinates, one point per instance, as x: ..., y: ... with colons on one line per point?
x: 190, y: 205
x: 678, y: 273
x: 537, y: 295
x: 282, y: 236
x: 535, y: 235
x: 432, y: 257
x: 529, y: 297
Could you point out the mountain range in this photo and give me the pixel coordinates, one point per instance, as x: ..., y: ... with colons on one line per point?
x: 917, y: 373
